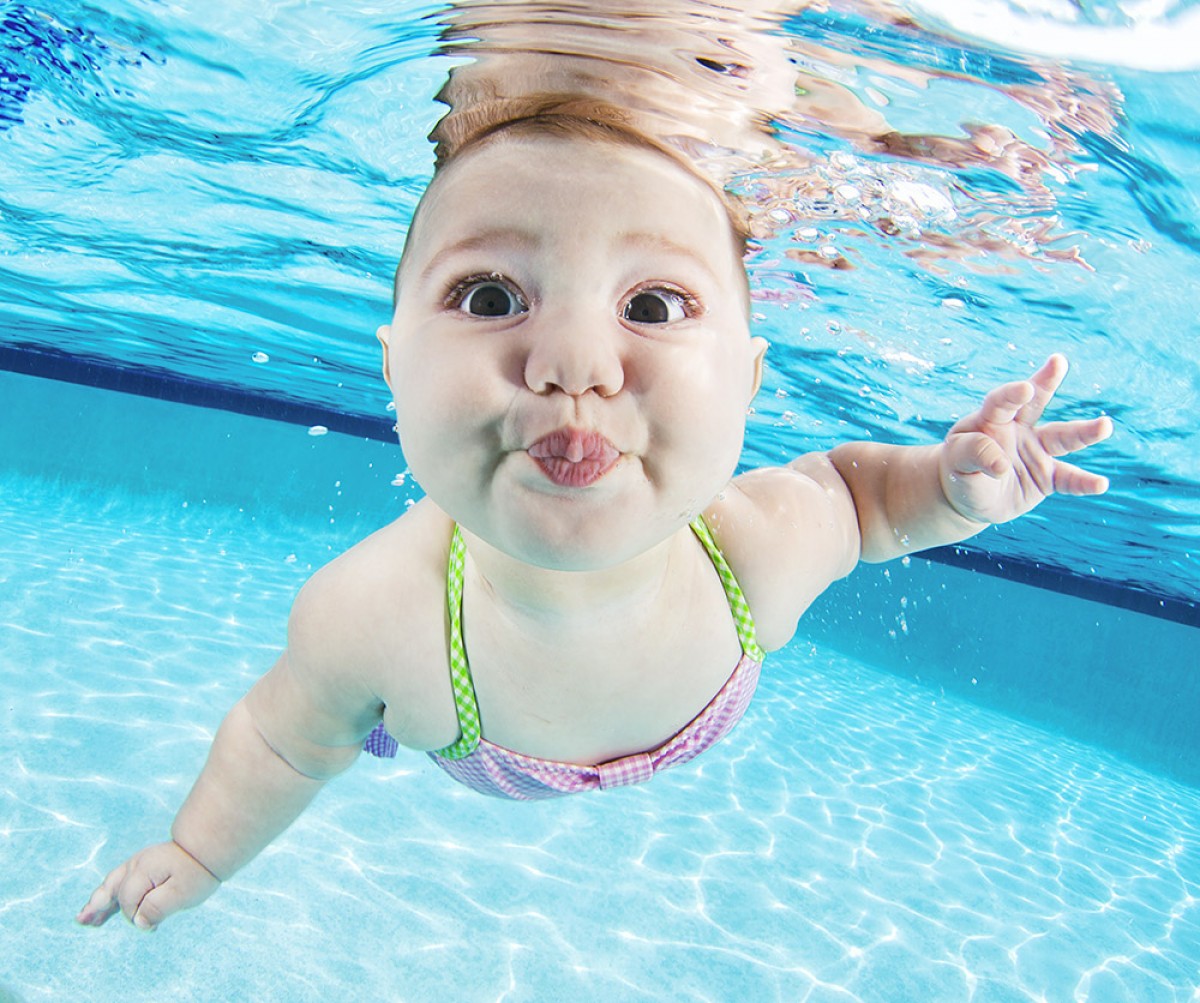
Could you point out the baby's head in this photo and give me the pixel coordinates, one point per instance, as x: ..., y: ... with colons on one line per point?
x: 569, y: 351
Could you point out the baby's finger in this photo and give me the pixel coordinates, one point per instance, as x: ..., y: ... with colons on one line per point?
x: 103, y: 903
x: 1072, y: 480
x: 1003, y: 403
x: 1046, y: 382
x: 976, y: 453
x: 135, y: 888
x: 1061, y: 437
x: 159, y: 903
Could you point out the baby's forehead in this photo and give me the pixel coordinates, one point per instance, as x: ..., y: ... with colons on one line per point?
x: 540, y: 157
x: 514, y: 167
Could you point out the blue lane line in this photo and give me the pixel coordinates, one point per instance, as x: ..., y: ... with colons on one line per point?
x: 1126, y: 595
x: 162, y: 385
x: 166, y: 386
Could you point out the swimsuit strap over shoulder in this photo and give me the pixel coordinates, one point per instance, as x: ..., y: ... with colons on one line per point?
x: 733, y: 591
x: 460, y: 670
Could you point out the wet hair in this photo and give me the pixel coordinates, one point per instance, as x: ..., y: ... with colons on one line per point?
x: 567, y: 118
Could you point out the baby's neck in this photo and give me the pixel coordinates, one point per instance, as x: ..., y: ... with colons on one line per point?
x: 555, y: 596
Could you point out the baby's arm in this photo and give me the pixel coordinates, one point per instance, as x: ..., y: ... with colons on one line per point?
x: 300, y: 725
x: 994, y: 465
x: 790, y: 531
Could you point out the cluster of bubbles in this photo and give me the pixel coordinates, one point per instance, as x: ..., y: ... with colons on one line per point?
x: 892, y: 198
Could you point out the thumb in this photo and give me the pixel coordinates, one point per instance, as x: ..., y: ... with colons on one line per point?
x: 976, y: 453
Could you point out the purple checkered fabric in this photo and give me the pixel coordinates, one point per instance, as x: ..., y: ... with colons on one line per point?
x: 492, y: 769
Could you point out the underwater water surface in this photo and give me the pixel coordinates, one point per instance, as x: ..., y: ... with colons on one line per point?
x: 215, y: 201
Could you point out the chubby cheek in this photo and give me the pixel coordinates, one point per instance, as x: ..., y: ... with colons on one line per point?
x: 701, y: 424
x: 447, y: 411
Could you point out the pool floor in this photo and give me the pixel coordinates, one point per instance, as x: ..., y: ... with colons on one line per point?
x: 858, y: 837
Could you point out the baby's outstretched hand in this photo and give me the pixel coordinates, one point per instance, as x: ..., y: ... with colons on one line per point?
x: 998, y: 463
x: 149, y: 887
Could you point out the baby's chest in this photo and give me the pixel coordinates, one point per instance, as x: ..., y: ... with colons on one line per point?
x: 610, y: 694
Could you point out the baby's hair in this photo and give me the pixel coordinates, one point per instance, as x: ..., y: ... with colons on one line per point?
x: 567, y: 117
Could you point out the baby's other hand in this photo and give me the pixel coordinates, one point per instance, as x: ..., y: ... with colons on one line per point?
x: 149, y: 887
x: 998, y: 463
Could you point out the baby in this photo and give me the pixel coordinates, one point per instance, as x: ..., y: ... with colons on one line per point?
x: 585, y: 595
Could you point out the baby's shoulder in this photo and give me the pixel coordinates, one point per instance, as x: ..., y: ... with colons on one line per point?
x: 390, y: 570
x: 377, y: 611
x: 788, y: 533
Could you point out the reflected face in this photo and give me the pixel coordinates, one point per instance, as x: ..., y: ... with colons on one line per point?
x: 569, y: 353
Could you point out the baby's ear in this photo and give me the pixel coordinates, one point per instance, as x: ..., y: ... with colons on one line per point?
x: 383, y: 333
x: 759, y: 347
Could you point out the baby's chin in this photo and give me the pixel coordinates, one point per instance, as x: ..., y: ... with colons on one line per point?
x: 599, y: 547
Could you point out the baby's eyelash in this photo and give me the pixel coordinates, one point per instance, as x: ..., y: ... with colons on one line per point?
x: 692, y: 306
x: 458, y: 289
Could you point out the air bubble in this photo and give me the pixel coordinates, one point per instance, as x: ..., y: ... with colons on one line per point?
x: 318, y: 430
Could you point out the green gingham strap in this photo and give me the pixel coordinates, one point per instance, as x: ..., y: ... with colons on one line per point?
x: 460, y: 672
x: 733, y: 591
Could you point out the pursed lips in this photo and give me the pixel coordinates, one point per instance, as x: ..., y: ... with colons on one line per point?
x: 574, y: 457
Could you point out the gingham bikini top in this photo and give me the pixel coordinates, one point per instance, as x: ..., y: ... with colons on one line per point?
x: 492, y: 769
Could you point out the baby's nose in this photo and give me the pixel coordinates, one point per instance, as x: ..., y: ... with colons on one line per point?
x: 574, y: 359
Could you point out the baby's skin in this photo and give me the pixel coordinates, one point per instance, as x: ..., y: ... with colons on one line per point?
x: 571, y: 361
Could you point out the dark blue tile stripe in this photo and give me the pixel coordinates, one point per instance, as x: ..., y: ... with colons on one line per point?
x: 167, y: 386
x: 184, y: 390
x: 1126, y: 595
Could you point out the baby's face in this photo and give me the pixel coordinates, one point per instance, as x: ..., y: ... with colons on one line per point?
x: 569, y: 354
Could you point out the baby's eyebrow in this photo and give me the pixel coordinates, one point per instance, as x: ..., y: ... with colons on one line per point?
x: 507, y: 237
x: 647, y: 239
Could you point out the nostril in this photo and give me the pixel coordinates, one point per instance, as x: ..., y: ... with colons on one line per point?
x: 569, y: 356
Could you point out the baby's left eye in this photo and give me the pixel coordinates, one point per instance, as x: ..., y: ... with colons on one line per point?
x: 656, y: 306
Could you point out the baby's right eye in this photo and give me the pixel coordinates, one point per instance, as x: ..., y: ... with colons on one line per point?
x: 487, y: 298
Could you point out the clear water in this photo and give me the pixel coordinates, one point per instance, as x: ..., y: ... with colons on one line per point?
x: 857, y: 838
x: 218, y: 193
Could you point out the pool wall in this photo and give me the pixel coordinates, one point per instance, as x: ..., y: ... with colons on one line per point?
x: 1098, y: 673
x: 1101, y: 674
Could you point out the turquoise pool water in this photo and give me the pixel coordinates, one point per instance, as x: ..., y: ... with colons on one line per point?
x: 863, y: 835
x: 200, y: 208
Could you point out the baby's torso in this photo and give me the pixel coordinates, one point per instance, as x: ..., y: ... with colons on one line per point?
x: 620, y: 681
x: 625, y: 683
